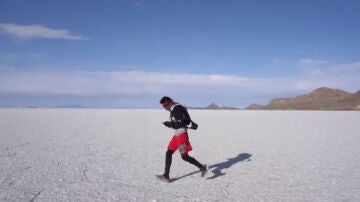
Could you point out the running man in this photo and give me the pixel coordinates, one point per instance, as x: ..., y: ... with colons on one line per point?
x: 179, y: 121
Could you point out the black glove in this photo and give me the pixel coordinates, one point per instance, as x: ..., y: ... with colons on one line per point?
x: 194, y: 126
x: 168, y: 124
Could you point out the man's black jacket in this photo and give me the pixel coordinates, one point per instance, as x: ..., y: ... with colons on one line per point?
x: 179, y: 117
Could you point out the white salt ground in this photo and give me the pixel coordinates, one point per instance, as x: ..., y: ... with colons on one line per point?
x: 113, y: 155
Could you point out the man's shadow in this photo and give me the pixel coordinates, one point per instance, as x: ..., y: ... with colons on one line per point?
x: 217, y: 169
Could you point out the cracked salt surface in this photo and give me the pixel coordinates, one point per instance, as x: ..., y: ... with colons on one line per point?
x: 113, y: 155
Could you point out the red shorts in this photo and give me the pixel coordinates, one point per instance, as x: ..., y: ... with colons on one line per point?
x: 180, y: 142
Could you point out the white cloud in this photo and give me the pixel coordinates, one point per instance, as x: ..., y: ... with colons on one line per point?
x: 311, y: 63
x: 93, y: 83
x: 325, y: 73
x: 142, y: 85
x: 346, y: 68
x: 37, y: 31
x: 328, y: 67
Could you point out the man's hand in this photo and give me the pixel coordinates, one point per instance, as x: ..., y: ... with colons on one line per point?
x: 168, y: 124
x: 194, y: 126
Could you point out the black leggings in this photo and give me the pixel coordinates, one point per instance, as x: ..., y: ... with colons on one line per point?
x: 185, y: 157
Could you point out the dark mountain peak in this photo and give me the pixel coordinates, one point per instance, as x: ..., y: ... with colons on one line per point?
x: 213, y: 106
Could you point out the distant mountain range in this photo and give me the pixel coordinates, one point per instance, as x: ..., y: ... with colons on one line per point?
x: 320, y: 99
x: 214, y: 106
x: 71, y: 106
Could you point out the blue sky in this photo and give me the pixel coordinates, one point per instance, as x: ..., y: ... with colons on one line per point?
x: 128, y: 53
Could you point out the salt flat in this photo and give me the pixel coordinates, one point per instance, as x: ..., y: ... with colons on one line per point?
x: 113, y: 155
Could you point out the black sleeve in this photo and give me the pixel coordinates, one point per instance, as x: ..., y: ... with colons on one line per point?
x: 181, y: 116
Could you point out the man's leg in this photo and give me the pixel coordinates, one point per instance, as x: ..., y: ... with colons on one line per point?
x: 203, y: 168
x: 168, y: 161
x: 192, y: 160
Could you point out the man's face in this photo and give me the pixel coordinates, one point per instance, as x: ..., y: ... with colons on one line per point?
x: 167, y: 105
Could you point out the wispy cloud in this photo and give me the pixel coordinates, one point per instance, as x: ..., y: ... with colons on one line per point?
x: 325, y: 73
x: 310, y: 63
x: 92, y: 83
x: 37, y: 31
x: 136, y: 84
x: 205, y: 87
x: 328, y: 67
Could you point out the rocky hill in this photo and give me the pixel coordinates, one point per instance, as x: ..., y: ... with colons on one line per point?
x: 320, y: 99
x: 351, y: 102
